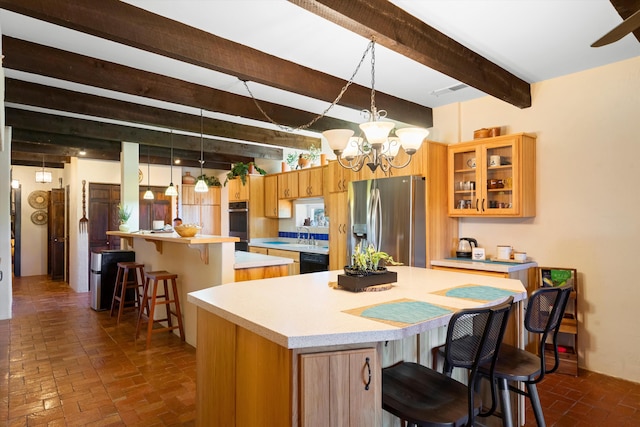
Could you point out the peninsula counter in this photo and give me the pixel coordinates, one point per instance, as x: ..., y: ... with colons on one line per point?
x: 271, y: 352
x: 200, y: 262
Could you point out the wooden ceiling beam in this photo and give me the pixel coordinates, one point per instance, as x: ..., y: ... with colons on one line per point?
x: 29, y: 158
x: 163, y: 36
x: 399, y: 31
x: 33, y: 94
x: 50, y: 144
x: 625, y: 9
x: 100, y: 130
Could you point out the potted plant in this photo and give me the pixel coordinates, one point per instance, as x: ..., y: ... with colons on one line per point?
x: 292, y: 160
x: 241, y: 170
x: 124, y: 213
x: 211, y: 181
x: 367, y: 261
x: 311, y: 157
x: 368, y: 268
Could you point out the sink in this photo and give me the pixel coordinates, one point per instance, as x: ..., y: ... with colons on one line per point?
x: 276, y: 243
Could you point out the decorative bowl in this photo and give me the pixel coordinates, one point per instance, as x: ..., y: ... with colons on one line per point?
x: 187, y: 230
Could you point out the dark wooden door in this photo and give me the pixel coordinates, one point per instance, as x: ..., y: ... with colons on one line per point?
x: 157, y: 209
x: 55, y: 232
x: 103, y: 207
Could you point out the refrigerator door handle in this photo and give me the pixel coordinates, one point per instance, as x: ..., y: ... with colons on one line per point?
x: 378, y: 220
x: 370, y: 216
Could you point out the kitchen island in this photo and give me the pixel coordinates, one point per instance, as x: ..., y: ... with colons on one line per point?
x: 281, y: 351
x: 253, y: 266
x: 200, y: 262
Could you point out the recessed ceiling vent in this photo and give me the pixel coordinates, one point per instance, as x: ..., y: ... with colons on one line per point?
x: 448, y: 90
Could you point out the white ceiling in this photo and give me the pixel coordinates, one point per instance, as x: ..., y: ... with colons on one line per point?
x: 533, y: 39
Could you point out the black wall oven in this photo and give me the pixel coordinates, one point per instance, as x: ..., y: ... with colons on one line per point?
x: 239, y: 224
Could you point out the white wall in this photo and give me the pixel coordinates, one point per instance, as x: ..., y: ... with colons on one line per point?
x: 33, y: 253
x: 588, y: 158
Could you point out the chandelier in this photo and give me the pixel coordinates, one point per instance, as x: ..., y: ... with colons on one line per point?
x: 374, y: 147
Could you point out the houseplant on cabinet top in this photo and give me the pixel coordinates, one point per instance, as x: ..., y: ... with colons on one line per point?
x: 241, y: 170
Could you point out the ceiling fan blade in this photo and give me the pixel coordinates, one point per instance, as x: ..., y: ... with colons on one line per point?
x: 627, y: 26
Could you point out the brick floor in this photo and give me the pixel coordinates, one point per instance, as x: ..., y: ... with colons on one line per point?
x: 63, y: 364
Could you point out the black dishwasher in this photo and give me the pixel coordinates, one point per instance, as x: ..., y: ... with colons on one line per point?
x: 312, y: 262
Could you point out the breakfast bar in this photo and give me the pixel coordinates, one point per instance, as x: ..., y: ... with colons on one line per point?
x: 200, y: 262
x: 281, y: 351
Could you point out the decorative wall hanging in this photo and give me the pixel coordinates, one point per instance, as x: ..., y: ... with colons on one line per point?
x: 39, y: 217
x: 38, y: 199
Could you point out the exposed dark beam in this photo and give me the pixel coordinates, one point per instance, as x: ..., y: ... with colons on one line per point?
x: 33, y: 94
x: 397, y: 30
x: 35, y: 159
x: 35, y: 144
x: 154, y: 33
x: 625, y: 9
x: 38, y: 59
x: 99, y: 130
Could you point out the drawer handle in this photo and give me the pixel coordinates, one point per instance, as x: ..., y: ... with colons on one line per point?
x: 366, y: 362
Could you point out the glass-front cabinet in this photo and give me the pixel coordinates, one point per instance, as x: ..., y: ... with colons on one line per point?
x: 493, y: 177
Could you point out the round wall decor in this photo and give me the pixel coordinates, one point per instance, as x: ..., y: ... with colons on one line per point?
x: 39, y: 217
x: 38, y: 199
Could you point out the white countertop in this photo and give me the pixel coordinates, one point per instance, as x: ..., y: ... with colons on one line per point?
x: 252, y: 260
x: 290, y: 245
x: 499, y: 266
x: 303, y: 311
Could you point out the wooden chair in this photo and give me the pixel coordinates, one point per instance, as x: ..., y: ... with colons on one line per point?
x: 545, y: 310
x: 425, y: 397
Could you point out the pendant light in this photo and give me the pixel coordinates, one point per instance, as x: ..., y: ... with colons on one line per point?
x: 148, y: 195
x: 171, y: 189
x: 42, y: 176
x: 201, y: 186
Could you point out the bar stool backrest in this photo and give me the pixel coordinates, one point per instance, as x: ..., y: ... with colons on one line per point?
x: 545, y: 311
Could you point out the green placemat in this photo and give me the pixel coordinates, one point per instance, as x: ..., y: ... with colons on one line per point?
x: 482, y: 293
x: 405, y: 312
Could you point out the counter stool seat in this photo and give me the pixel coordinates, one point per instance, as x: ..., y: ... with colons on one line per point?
x: 151, y: 284
x: 130, y: 275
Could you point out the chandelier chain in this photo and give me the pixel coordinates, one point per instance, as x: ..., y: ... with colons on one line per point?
x: 370, y: 47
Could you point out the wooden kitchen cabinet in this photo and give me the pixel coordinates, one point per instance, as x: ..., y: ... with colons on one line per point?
x: 310, y: 182
x: 237, y: 191
x: 202, y: 208
x: 337, y: 177
x: 293, y: 268
x: 274, y: 207
x: 336, y: 205
x: 340, y: 388
x: 504, y: 188
x: 288, y: 185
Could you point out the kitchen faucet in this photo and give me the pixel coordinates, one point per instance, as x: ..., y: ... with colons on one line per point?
x: 309, y: 237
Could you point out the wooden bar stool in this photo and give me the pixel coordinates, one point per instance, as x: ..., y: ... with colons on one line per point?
x: 152, y: 280
x: 130, y: 276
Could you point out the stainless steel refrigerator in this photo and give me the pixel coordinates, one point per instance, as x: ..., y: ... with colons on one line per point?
x: 390, y: 213
x: 104, y: 268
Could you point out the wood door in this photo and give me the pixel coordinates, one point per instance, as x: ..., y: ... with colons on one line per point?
x: 310, y: 182
x: 156, y: 209
x: 103, y: 207
x: 340, y: 388
x: 337, y: 207
x: 55, y: 234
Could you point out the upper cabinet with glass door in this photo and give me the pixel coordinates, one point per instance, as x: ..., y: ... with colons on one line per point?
x: 493, y: 177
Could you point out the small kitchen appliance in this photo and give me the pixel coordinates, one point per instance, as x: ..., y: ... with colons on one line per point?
x: 465, y: 246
